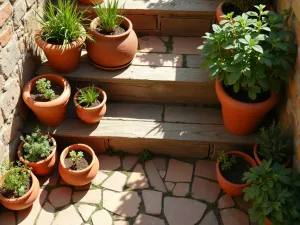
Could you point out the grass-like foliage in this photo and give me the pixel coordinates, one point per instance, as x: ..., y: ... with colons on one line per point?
x: 87, y: 97
x: 245, y: 5
x: 61, y: 24
x: 36, y: 146
x: 226, y: 161
x: 15, y: 179
x: 76, y: 156
x: 145, y: 155
x: 44, y: 87
x: 274, y: 143
x: 108, y: 12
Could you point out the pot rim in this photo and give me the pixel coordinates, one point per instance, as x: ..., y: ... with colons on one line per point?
x: 45, y: 45
x: 15, y: 200
x: 20, y: 151
x: 96, y: 21
x: 101, y: 91
x: 242, y: 155
x: 85, y: 148
x: 60, y: 100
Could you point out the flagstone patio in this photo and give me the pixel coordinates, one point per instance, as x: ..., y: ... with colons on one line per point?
x: 126, y: 191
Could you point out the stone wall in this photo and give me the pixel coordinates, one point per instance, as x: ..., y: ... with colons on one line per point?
x: 19, y: 57
x: 290, y: 107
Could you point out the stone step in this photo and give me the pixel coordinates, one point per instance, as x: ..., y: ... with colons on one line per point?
x: 172, y: 130
x: 167, y: 18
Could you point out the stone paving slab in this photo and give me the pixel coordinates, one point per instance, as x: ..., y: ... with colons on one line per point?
x: 189, y: 185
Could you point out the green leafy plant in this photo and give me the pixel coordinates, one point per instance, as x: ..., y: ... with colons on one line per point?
x: 87, y: 96
x: 76, y: 156
x: 273, y: 193
x: 226, y: 161
x: 16, y: 178
x: 36, y: 146
x: 145, y: 155
x: 44, y: 87
x: 251, y: 52
x: 61, y: 24
x: 274, y: 143
x: 244, y: 5
x: 108, y: 12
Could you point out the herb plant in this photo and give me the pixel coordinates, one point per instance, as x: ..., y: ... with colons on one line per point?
x: 44, y: 87
x: 251, y: 52
x: 274, y: 143
x: 244, y: 5
x: 16, y: 178
x: 87, y: 96
x: 76, y: 156
x: 36, y: 146
x: 108, y: 12
x: 226, y: 161
x: 61, y: 24
x: 273, y: 193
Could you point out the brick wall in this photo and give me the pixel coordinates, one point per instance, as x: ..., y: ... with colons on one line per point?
x: 19, y: 58
x: 290, y: 107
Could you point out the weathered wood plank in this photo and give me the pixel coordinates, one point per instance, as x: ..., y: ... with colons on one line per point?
x: 190, y: 114
x: 155, y: 59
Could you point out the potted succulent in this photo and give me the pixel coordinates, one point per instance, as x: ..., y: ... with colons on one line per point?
x: 115, y: 43
x: 19, y: 187
x: 249, y: 63
x: 237, y: 6
x: 38, y: 151
x: 78, y: 164
x: 273, y: 143
x: 47, y: 96
x: 230, y: 168
x: 62, y: 36
x: 90, y: 103
x: 274, y: 195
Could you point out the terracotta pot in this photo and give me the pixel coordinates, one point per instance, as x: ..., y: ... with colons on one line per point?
x: 50, y: 113
x: 91, y: 2
x: 26, y: 200
x: 230, y: 188
x: 268, y: 222
x: 81, y: 177
x: 44, y: 167
x: 63, y: 61
x: 112, y: 52
x: 259, y: 160
x: 243, y: 118
x: 94, y: 114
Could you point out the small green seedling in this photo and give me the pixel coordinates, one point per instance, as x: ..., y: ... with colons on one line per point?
x: 44, y: 87
x: 226, y: 161
x: 76, y: 156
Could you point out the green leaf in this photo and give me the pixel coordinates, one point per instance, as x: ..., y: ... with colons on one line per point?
x: 244, y: 41
x: 258, y: 49
x: 252, y: 95
x: 238, y: 58
x: 276, y: 85
x: 266, y: 61
x: 233, y: 77
x: 236, y: 87
x: 285, y: 179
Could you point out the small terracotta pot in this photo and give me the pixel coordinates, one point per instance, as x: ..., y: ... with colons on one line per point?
x: 94, y: 114
x: 259, y: 161
x: 26, y: 200
x: 81, y: 177
x: 63, y: 61
x: 230, y: 188
x: 50, y: 113
x: 44, y: 167
x: 91, y: 2
x: 112, y: 52
x: 242, y: 118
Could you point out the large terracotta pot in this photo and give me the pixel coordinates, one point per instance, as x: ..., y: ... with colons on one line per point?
x: 26, y: 200
x: 94, y: 114
x: 243, y: 118
x: 50, y: 113
x: 61, y: 60
x: 259, y: 160
x: 44, y: 167
x: 112, y: 52
x: 81, y: 177
x: 91, y: 2
x: 230, y: 188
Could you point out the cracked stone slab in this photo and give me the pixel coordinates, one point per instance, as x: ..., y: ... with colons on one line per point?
x: 170, y: 186
x: 129, y: 162
x: 225, y: 202
x: 154, y: 177
x: 86, y: 211
x: 210, y: 219
x: 115, y: 182
x: 100, y: 177
x: 138, y: 178
x: 102, y: 217
x: 90, y: 196
x: 152, y: 201
x: 179, y: 211
x: 46, y: 215
x: 68, y: 216
x: 144, y: 219
x: 206, y: 168
x: 179, y: 171
x: 109, y: 163
x: 60, y: 196
x: 122, y: 203
x: 162, y: 173
x: 234, y: 217
x: 205, y: 190
x: 160, y: 163
x: 181, y: 189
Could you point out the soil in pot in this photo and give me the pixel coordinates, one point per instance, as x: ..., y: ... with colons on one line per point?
x: 37, y: 96
x: 12, y: 195
x: 235, y: 174
x: 228, y: 8
x: 119, y: 30
x: 242, y: 95
x: 83, y: 162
